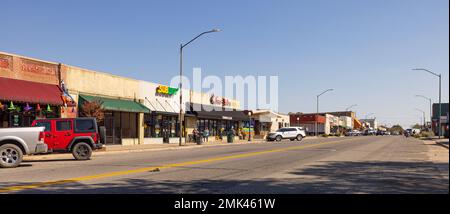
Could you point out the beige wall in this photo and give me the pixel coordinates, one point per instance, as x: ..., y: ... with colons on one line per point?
x: 98, y: 83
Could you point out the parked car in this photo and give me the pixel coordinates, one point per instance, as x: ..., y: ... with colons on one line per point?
x: 79, y: 136
x: 292, y: 133
x: 16, y: 142
x: 370, y: 132
x: 353, y: 133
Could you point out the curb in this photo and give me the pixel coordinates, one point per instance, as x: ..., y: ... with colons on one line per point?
x: 106, y: 152
x: 441, y: 144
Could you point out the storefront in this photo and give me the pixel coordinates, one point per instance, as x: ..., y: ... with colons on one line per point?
x: 21, y: 102
x: 120, y: 117
x: 268, y: 121
x: 218, y: 120
x: 29, y: 90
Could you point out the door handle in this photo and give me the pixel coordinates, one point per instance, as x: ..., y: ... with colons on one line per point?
x: 67, y: 134
x: 48, y: 135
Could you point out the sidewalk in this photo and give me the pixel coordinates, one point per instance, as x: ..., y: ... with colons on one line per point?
x: 117, y: 149
x: 437, y: 153
x: 442, y: 142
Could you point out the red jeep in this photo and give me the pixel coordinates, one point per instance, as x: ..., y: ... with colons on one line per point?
x: 76, y: 135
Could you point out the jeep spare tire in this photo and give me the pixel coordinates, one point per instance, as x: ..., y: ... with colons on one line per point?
x: 10, y: 156
x: 82, y: 151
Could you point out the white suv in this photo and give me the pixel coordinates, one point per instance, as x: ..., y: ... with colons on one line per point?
x: 292, y: 133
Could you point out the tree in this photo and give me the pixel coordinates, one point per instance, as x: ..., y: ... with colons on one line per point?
x: 396, y: 128
x: 417, y: 126
x: 93, y: 109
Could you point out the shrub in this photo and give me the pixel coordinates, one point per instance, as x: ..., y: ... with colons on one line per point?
x: 426, y: 134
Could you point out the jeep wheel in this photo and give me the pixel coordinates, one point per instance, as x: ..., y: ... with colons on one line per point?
x: 82, y: 151
x: 299, y: 137
x: 10, y: 156
x: 278, y: 138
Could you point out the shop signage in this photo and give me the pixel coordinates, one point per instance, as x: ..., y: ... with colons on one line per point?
x: 4, y: 63
x: 227, y: 118
x: 32, y: 67
x: 166, y: 90
x: 216, y: 100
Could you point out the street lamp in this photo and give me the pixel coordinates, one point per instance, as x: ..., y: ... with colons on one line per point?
x: 367, y: 115
x: 429, y: 99
x: 249, y: 126
x: 423, y: 113
x: 440, y: 108
x: 317, y: 110
x: 346, y: 109
x: 180, y: 116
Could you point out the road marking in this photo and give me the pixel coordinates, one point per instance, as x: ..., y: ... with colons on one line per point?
x: 167, y: 166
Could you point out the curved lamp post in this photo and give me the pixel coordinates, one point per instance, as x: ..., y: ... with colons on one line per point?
x: 429, y: 100
x: 423, y: 114
x: 440, y: 108
x: 180, y: 116
x: 317, y: 110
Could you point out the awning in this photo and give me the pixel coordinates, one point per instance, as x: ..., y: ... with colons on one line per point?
x: 32, y: 92
x: 115, y: 104
x: 211, y: 112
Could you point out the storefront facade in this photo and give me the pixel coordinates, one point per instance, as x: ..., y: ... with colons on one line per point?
x: 123, y: 111
x: 30, y: 90
x: 268, y: 121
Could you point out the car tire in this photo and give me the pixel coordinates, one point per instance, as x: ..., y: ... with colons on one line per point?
x: 299, y: 137
x: 278, y: 138
x: 10, y: 156
x: 82, y: 151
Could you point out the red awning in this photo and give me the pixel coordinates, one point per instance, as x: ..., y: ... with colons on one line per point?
x: 32, y: 92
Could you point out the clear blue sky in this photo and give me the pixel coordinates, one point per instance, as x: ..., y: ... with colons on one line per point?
x: 364, y: 49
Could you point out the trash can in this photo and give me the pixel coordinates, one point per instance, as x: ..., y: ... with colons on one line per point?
x: 230, y: 137
x: 198, y: 139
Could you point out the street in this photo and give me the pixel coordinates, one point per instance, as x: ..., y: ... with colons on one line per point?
x: 365, y: 164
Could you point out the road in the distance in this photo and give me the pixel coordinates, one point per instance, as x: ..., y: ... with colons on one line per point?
x: 384, y: 164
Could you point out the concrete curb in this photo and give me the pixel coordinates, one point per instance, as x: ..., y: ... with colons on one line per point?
x: 106, y: 152
x: 441, y: 144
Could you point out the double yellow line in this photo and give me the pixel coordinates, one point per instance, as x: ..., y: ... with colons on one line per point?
x: 153, y: 168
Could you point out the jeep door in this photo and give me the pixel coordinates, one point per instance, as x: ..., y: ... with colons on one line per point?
x: 48, y: 137
x: 63, y: 133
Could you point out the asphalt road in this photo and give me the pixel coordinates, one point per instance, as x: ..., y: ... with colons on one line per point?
x: 382, y: 164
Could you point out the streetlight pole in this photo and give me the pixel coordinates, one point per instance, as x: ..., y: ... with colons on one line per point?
x: 423, y: 114
x: 317, y: 110
x: 429, y: 99
x: 346, y: 109
x: 440, y: 104
x: 180, y: 116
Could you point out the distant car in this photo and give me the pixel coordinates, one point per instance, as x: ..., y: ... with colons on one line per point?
x: 353, y: 133
x: 370, y: 132
x: 291, y: 133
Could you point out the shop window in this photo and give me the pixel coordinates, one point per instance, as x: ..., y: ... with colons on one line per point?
x: 63, y: 125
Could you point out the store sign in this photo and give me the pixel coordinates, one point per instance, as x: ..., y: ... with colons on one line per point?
x: 166, y: 90
x: 4, y: 63
x: 216, y: 100
x: 32, y: 67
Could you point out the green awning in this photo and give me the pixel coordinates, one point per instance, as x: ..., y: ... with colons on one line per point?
x: 115, y: 104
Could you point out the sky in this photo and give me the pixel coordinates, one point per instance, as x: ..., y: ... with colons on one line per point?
x: 363, y: 49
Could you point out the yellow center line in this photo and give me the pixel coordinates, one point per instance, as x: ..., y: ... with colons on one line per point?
x: 167, y: 166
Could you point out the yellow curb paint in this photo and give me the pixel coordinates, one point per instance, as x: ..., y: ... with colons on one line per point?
x: 146, y: 169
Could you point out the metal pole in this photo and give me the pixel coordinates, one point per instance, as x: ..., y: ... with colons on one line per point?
x: 440, y: 107
x: 180, y: 116
x: 249, y: 128
x: 317, y: 115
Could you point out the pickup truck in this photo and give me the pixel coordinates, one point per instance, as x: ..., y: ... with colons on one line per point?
x: 16, y: 142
